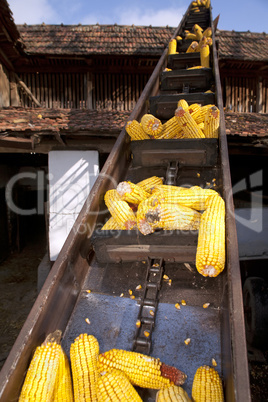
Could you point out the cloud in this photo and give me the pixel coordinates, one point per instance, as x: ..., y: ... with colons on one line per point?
x: 32, y: 11
x: 171, y: 17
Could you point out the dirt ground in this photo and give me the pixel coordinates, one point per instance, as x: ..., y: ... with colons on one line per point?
x: 18, y: 291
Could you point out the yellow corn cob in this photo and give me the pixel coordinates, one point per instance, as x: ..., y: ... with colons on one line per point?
x: 189, y: 126
x: 201, y: 125
x: 194, y: 197
x: 172, y: 394
x: 176, y: 217
x: 151, y: 125
x: 199, y: 114
x: 183, y: 103
x: 203, y: 41
x: 198, y: 32
x: 142, y: 370
x: 111, y: 224
x: 210, y: 255
x: 135, y: 131
x: 84, y: 353
x: 171, y: 129
x: 63, y: 388
x: 114, y: 386
x: 212, y: 122
x: 41, y: 375
x: 147, y: 210
x: 207, y: 385
x: 204, y: 56
x: 178, y: 37
x: 209, y: 41
x: 208, y: 32
x: 172, y: 46
x: 120, y: 210
x: 150, y: 183
x: 189, y: 35
x: 193, y: 108
x: 130, y: 192
x: 192, y: 48
x: 207, y: 3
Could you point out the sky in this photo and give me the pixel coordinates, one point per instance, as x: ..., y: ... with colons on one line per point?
x: 238, y: 15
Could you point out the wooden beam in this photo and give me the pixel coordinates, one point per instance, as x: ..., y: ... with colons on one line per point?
x: 27, y: 90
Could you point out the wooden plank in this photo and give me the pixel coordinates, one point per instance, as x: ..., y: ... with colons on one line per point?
x: 62, y: 90
x: 50, y: 91
x: 27, y: 90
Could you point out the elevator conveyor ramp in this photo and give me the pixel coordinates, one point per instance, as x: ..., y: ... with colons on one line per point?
x: 159, y: 269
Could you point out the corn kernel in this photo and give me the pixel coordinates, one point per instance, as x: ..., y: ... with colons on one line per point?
x: 187, y: 341
x: 177, y: 305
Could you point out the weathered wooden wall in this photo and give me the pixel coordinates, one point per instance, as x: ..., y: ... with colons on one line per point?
x: 245, y: 94
x: 4, y: 87
x: 84, y: 90
x: 120, y: 91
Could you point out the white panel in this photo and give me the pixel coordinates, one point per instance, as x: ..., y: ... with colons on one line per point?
x: 71, y: 177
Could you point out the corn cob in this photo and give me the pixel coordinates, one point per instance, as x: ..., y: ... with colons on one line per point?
x: 193, y: 108
x: 207, y: 385
x: 192, y: 47
x: 194, y: 197
x: 111, y: 224
x: 120, y: 210
x: 207, y: 3
x: 150, y: 183
x: 84, y: 353
x: 209, y: 41
x: 143, y: 371
x: 199, y: 114
x: 172, y: 46
x: 176, y: 217
x: 212, y: 122
x: 204, y: 56
x: 135, y: 131
x: 151, y: 125
x: 146, y: 213
x: 210, y: 254
x: 189, y: 126
x: 172, y: 394
x: 41, y: 375
x: 208, y: 32
x: 171, y: 129
x: 183, y: 103
x: 189, y: 35
x: 198, y: 32
x: 203, y: 41
x: 130, y: 192
x: 63, y: 388
x: 114, y: 386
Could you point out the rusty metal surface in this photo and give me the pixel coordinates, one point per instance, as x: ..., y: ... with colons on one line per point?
x: 188, y: 152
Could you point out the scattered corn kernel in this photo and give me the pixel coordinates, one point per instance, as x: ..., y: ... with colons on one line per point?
x: 169, y: 282
x: 122, y: 294
x: 187, y: 341
x: 206, y: 305
x: 213, y: 180
x: 214, y: 363
x: 151, y: 312
x: 132, y: 297
x: 130, y: 291
x: 177, y: 305
x: 88, y: 291
x: 156, y: 265
x: 146, y: 333
x: 87, y: 321
x: 138, y: 287
x: 138, y: 323
x: 165, y: 277
x: 198, y: 174
x: 183, y: 302
x: 39, y: 116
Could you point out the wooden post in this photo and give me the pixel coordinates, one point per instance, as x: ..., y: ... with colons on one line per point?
x: 89, y: 90
x: 14, y: 94
x: 259, y: 106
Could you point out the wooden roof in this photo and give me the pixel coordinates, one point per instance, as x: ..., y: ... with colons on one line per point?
x: 29, y: 121
x: 82, y: 40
